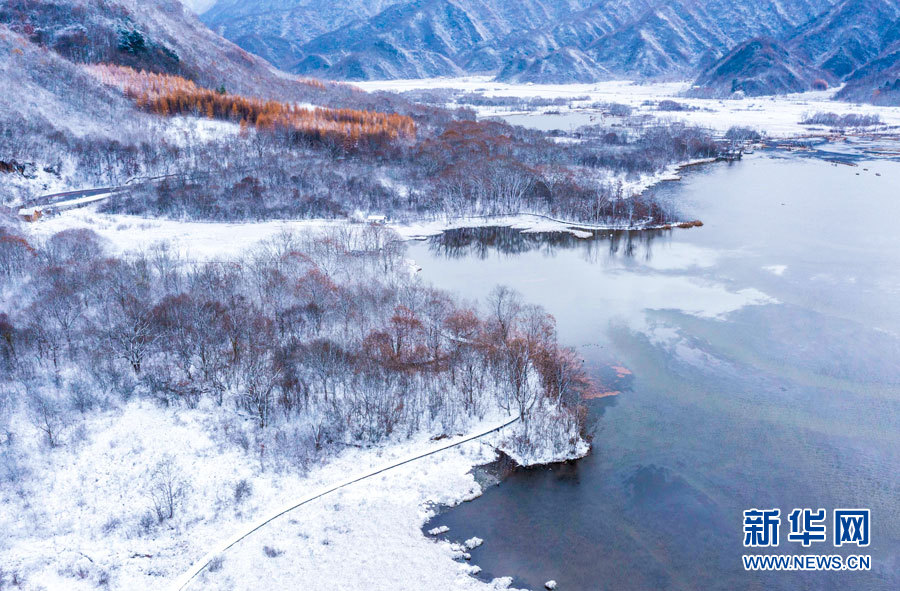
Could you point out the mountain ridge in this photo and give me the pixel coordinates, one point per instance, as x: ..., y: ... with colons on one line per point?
x: 531, y: 41
x: 756, y: 67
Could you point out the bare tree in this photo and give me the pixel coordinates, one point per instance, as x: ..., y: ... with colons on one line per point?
x: 167, y: 488
x: 48, y: 416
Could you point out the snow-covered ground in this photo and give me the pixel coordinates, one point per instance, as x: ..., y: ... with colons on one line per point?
x: 185, y: 130
x: 193, y: 240
x: 778, y: 116
x: 82, y: 516
x: 80, y: 521
x: 214, y: 241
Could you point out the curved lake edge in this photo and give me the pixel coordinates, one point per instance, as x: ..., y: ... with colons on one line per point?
x: 488, y: 475
x: 673, y: 478
x: 527, y: 222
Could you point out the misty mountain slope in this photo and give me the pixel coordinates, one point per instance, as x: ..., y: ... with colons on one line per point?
x: 545, y: 53
x: 405, y: 41
x: 562, y: 66
x: 156, y: 35
x: 534, y: 40
x: 43, y: 89
x: 849, y: 35
x: 514, y: 27
x: 277, y: 29
x: 757, y: 67
x: 854, y: 41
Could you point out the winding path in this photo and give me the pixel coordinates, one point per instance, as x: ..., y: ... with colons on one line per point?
x: 186, y: 577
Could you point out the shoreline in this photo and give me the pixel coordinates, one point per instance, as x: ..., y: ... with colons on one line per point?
x: 244, y: 233
x: 454, y: 479
x: 486, y: 475
x: 203, y: 563
x: 376, y: 524
x: 124, y: 230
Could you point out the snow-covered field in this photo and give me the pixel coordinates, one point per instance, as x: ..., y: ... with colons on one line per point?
x: 778, y: 116
x: 213, y: 241
x: 89, y: 527
x: 191, y: 239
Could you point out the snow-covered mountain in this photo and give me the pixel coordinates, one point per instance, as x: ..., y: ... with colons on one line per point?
x: 759, y: 66
x: 878, y: 81
x: 157, y: 35
x: 662, y: 39
x: 856, y: 41
x: 532, y: 40
x: 277, y: 29
x: 426, y: 38
x: 849, y: 35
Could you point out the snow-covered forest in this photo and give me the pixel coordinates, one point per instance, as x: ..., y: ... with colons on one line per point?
x: 307, y: 346
x: 321, y: 340
x: 221, y: 159
x: 183, y: 148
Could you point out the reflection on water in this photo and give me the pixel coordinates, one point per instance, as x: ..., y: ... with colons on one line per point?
x: 481, y: 242
x: 765, y: 362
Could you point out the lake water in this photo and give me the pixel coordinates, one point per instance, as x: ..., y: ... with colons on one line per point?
x: 763, y: 370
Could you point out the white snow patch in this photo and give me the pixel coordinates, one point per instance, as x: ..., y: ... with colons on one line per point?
x: 473, y: 543
x: 67, y: 203
x: 196, y: 240
x: 93, y: 495
x: 186, y: 131
x: 198, y: 6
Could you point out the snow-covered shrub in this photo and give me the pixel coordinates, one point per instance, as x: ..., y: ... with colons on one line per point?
x: 167, y: 488
x: 272, y: 552
x: 289, y: 447
x: 845, y: 120
x: 243, y: 488
x: 670, y: 105
x: 47, y: 413
x: 13, y: 466
x: 550, y: 435
x: 216, y: 564
x: 82, y: 397
x: 111, y: 525
x: 742, y: 134
x: 146, y: 523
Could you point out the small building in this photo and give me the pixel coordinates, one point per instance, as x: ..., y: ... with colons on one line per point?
x: 30, y: 214
x: 377, y: 219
